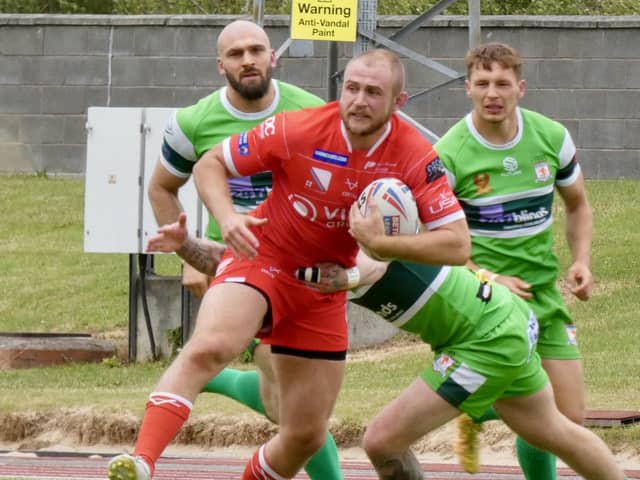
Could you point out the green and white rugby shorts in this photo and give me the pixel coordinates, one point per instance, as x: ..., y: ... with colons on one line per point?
x: 472, y: 375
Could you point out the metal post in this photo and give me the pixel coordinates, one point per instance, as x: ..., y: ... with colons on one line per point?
x: 475, y: 36
x: 367, y: 15
x: 133, y: 307
x: 258, y: 12
x: 332, y: 63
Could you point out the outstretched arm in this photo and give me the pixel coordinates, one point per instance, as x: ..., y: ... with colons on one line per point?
x: 202, y: 254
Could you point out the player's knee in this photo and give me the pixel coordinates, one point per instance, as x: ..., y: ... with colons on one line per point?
x: 575, y: 414
x: 209, y: 353
x: 374, y: 443
x: 305, y: 437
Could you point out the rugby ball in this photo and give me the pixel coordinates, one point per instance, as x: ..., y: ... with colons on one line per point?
x: 397, y: 206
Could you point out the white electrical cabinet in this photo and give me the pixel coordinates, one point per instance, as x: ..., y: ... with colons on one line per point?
x: 123, y: 146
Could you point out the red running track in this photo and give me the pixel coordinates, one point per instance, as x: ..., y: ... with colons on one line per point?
x: 63, y: 466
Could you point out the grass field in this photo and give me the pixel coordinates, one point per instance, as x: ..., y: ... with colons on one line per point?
x: 49, y: 284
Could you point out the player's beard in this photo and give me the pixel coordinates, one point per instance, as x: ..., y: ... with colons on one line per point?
x: 369, y: 129
x: 253, y: 91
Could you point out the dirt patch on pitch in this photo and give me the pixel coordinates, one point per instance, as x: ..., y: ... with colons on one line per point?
x: 89, y: 430
x: 235, y: 436
x: 85, y: 427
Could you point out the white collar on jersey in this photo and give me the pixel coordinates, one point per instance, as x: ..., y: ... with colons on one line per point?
x: 371, y: 151
x: 239, y: 114
x: 492, y: 146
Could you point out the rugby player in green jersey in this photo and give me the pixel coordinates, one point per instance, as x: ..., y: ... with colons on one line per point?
x: 483, y: 338
x: 504, y: 164
x: 245, y: 59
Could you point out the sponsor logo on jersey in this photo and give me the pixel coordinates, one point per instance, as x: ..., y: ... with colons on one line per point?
x: 325, y: 215
x: 352, y: 191
x: 321, y: 178
x: 496, y: 214
x: 543, y: 174
x: 572, y: 335
x: 442, y: 363
x: 369, y: 165
x: 388, y: 309
x: 271, y: 271
x: 243, y: 144
x: 435, y: 170
x: 330, y: 157
x: 484, y: 292
x: 351, y: 185
x: 445, y: 201
x: 268, y: 127
x: 533, y: 332
x: 481, y: 181
x: 510, y: 166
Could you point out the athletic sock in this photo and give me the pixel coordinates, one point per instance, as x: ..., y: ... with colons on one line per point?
x: 165, y: 415
x: 536, y: 464
x: 325, y: 465
x: 240, y: 385
x: 259, y: 469
x: 489, y: 414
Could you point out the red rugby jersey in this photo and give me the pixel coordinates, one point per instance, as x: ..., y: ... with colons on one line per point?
x: 317, y: 175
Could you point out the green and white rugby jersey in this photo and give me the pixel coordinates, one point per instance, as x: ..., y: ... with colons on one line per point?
x: 507, y: 191
x: 193, y: 130
x: 443, y: 305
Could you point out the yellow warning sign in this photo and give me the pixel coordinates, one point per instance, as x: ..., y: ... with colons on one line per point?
x: 333, y: 20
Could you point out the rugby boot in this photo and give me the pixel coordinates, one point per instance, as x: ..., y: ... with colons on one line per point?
x: 128, y: 467
x: 466, y: 446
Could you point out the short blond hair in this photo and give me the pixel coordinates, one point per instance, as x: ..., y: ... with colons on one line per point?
x: 380, y: 55
x: 486, y: 54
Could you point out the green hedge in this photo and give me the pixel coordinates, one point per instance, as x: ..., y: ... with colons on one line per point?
x: 385, y: 7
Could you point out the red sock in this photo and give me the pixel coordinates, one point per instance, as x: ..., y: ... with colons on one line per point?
x: 259, y: 469
x: 165, y: 415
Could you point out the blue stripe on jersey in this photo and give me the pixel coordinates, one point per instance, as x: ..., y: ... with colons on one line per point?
x: 176, y: 160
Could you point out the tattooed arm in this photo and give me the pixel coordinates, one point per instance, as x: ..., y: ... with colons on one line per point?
x: 204, y: 255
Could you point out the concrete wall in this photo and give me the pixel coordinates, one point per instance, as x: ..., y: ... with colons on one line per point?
x: 584, y: 71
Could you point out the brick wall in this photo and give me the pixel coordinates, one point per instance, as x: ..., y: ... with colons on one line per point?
x: 583, y: 71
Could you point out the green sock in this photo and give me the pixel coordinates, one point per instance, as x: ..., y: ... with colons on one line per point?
x: 536, y: 464
x: 325, y: 465
x: 489, y: 414
x: 240, y: 385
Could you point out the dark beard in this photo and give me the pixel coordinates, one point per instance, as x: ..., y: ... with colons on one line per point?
x: 251, y: 92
